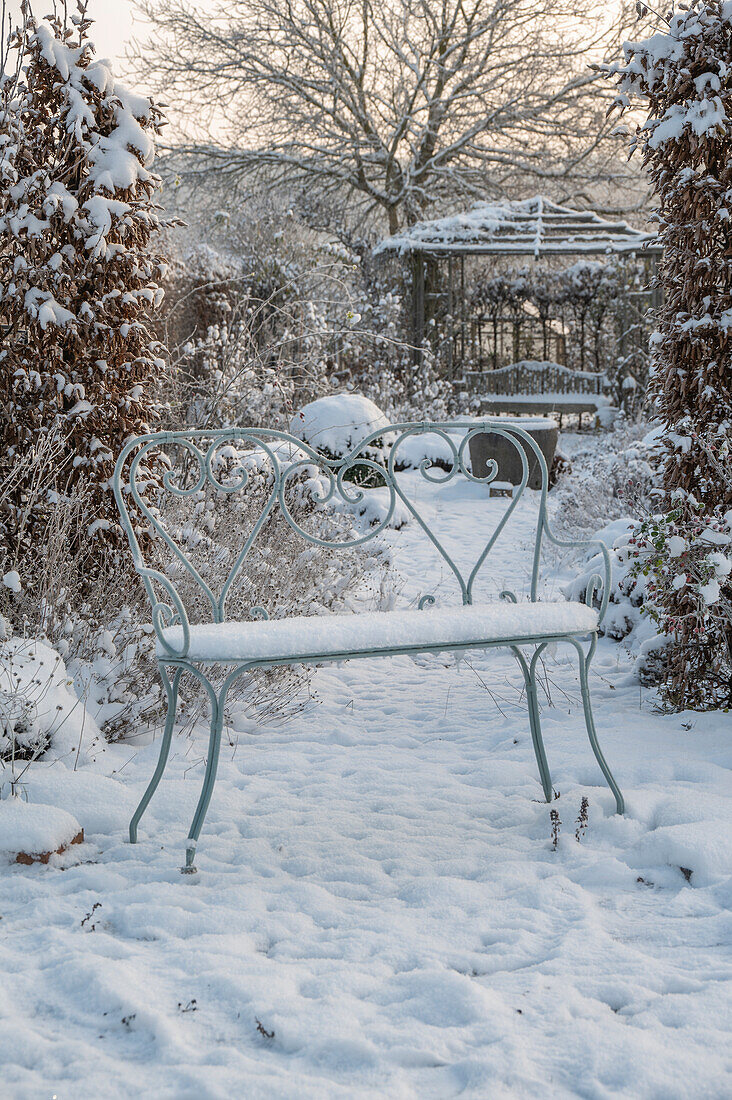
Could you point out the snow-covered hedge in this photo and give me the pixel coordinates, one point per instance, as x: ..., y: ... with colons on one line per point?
x: 79, y: 270
x: 591, y: 303
x: 682, y: 77
x: 666, y: 552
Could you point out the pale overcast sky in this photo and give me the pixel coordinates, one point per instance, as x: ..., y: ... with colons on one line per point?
x: 114, y: 23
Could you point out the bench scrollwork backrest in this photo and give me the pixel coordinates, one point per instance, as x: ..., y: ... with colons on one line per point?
x: 183, y: 464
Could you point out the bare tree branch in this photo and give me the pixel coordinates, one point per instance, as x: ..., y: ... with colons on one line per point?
x: 394, y: 105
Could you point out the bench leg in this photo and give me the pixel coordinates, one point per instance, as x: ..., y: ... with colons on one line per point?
x: 171, y: 690
x: 214, y: 744
x: 529, y: 671
x: 584, y: 664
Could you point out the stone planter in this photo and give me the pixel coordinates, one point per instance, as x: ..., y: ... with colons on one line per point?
x: 489, y: 445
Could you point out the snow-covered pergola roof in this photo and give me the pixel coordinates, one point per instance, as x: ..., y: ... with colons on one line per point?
x: 531, y: 227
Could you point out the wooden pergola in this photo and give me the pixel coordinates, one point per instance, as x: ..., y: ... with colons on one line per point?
x: 535, y: 228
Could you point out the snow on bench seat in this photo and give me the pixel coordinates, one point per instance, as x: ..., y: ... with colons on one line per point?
x: 309, y: 637
x: 548, y: 398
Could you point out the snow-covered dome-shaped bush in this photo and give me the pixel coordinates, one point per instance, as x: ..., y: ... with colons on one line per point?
x: 338, y: 423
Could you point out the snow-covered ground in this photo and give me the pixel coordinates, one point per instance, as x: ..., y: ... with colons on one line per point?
x: 379, y: 911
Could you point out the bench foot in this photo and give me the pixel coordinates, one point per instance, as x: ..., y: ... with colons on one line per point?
x: 171, y: 690
x: 217, y: 723
x: 190, y: 867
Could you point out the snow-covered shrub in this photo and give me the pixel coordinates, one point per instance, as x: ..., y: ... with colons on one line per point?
x: 264, y: 314
x: 680, y: 559
x: 246, y: 325
x: 103, y: 631
x: 283, y: 573
x: 684, y: 563
x: 334, y: 425
x: 20, y: 735
x: 79, y: 271
x: 47, y: 572
x: 418, y: 392
x: 667, y: 554
x: 98, y: 629
x: 628, y: 618
x: 612, y: 484
x: 375, y: 357
x: 338, y: 422
x: 614, y: 475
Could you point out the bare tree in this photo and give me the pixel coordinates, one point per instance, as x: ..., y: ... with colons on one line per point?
x: 389, y: 105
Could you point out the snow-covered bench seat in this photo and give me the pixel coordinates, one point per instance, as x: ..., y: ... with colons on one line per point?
x: 192, y: 463
x: 309, y: 638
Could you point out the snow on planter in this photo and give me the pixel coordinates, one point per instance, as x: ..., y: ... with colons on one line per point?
x: 338, y: 423
x: 434, y: 450
x: 31, y: 832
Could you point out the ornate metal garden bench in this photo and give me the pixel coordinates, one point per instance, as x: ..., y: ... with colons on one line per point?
x: 192, y: 463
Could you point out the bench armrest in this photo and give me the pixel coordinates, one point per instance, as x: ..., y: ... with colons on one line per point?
x: 163, y: 614
x: 596, y: 580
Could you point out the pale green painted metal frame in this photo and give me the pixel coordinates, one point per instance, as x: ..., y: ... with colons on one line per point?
x: 284, y: 457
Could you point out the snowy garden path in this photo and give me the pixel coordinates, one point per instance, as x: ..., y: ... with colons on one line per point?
x: 379, y: 911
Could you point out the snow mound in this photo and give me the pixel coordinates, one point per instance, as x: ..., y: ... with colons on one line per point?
x: 614, y: 533
x: 338, y: 423
x: 374, y: 508
x: 34, y: 682
x: 32, y: 829
x: 429, y: 448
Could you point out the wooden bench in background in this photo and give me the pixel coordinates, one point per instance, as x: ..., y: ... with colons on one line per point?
x: 541, y: 387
